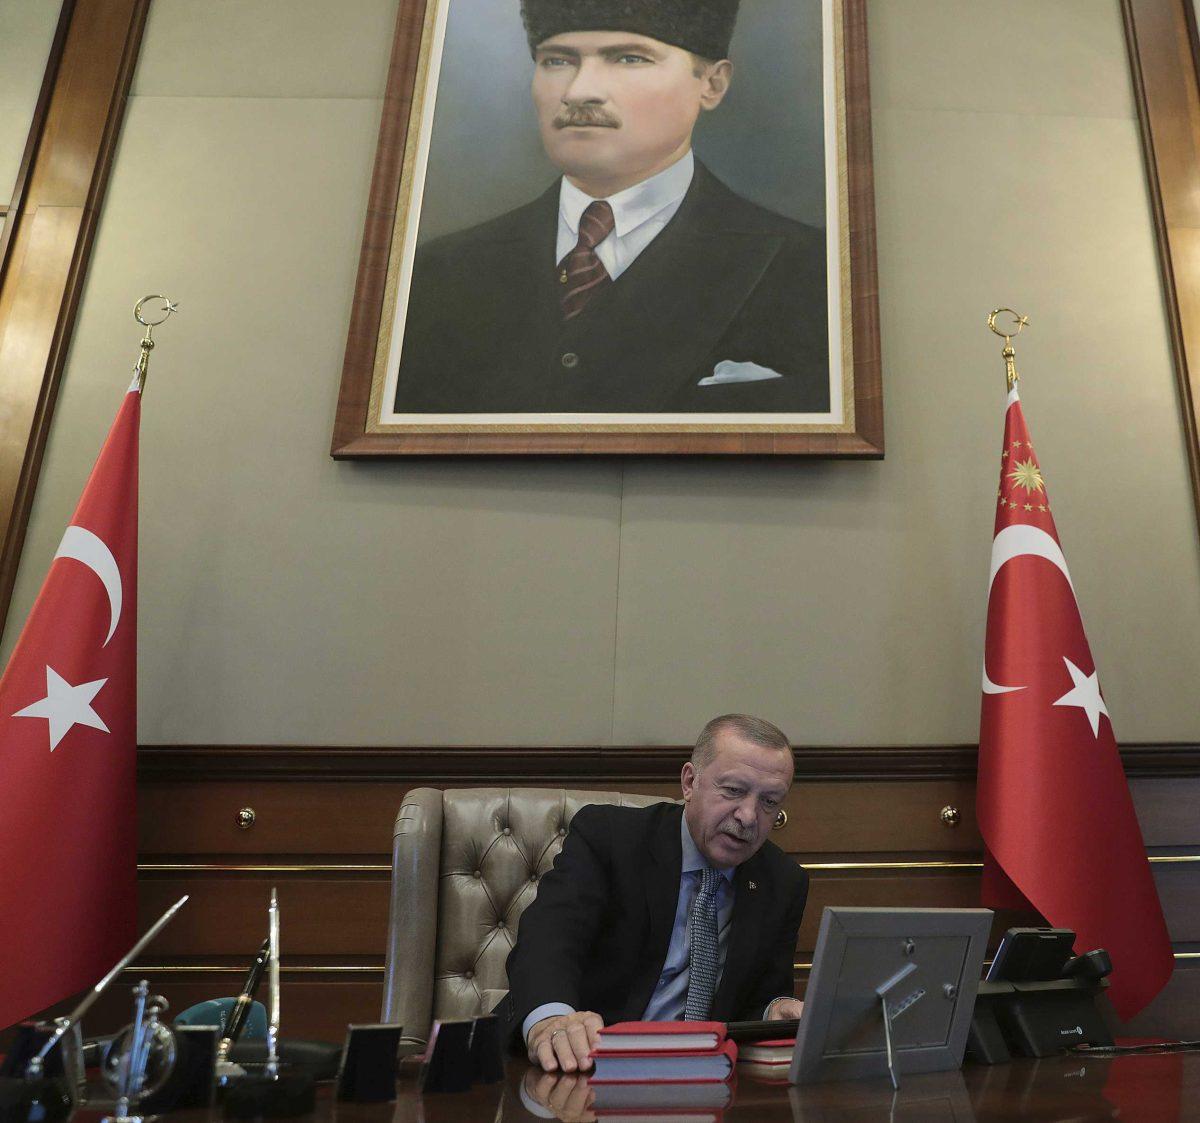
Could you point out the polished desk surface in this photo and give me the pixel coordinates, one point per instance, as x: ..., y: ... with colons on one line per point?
x: 1161, y: 1088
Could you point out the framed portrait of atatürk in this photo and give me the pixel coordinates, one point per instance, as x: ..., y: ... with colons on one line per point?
x: 619, y: 226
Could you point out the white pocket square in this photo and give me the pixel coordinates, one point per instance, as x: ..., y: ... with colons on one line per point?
x: 728, y: 371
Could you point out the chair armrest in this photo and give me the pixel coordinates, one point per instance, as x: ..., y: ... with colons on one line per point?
x: 412, y: 927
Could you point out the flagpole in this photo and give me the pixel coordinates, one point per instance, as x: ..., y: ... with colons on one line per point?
x: 1010, y: 356
x: 143, y: 363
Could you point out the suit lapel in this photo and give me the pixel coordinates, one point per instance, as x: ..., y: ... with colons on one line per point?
x: 504, y: 301
x: 749, y: 898
x: 518, y: 261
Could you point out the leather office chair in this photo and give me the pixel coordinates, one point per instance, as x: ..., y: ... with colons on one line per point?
x: 465, y: 865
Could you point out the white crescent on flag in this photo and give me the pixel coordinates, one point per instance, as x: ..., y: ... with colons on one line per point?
x: 84, y: 546
x: 1016, y: 541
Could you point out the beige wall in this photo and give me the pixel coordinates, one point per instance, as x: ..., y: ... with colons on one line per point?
x: 286, y: 598
x: 26, y: 32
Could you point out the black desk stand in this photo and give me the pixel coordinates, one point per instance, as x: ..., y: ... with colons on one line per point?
x: 1035, y: 1019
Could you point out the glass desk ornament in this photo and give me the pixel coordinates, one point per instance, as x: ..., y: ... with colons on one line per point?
x: 141, y: 1058
x: 44, y: 1070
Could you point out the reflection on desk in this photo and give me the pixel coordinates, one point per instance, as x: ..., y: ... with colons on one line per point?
x: 1064, y: 1088
x: 1158, y: 1088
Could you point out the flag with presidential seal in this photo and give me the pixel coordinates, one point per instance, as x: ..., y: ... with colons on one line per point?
x: 1053, y: 803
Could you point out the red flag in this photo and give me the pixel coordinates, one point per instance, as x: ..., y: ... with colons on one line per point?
x: 68, y: 721
x: 1053, y: 803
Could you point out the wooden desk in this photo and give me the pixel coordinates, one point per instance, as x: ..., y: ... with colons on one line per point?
x: 1161, y: 1089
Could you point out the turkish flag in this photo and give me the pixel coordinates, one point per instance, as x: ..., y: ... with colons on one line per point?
x: 68, y: 725
x: 1053, y: 803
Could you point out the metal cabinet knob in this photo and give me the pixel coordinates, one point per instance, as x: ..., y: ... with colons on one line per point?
x: 780, y: 820
x: 950, y: 816
x: 245, y: 818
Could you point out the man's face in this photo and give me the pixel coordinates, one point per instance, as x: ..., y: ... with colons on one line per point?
x: 732, y: 802
x: 614, y: 107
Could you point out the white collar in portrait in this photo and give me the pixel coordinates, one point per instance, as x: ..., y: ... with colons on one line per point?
x: 641, y: 211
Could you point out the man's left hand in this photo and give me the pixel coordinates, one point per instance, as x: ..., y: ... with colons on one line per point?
x: 565, y: 1095
x: 783, y: 1009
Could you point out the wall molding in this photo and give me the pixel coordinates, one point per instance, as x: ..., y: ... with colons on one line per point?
x: 621, y: 764
x: 46, y: 242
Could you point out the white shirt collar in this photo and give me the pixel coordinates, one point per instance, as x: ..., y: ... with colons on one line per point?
x: 635, y: 205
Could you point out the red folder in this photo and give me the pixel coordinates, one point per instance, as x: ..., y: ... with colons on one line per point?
x: 636, y: 1037
x: 777, y: 1052
x: 676, y: 1065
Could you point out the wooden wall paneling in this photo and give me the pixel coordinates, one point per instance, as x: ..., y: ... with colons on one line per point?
x: 12, y: 210
x: 900, y: 889
x: 1178, y: 887
x: 1165, y: 89
x: 1166, y: 810
x: 1179, y: 892
x: 872, y: 815
x: 315, y: 1005
x: 323, y: 834
x: 346, y: 914
x: 334, y: 916
x: 356, y: 818
x: 625, y: 766
x: 47, y: 242
x: 1172, y: 1014
x: 290, y: 818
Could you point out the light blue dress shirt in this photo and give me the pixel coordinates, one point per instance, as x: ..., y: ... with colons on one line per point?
x: 670, y: 994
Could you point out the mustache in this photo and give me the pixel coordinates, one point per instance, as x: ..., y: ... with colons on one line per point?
x: 590, y: 116
x: 731, y: 827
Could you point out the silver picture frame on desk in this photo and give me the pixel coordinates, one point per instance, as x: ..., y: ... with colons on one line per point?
x: 891, y: 992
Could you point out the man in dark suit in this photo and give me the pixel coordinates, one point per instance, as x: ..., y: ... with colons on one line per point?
x: 665, y: 912
x: 638, y: 283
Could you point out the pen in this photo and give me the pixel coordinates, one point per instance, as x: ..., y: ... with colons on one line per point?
x: 241, y: 1008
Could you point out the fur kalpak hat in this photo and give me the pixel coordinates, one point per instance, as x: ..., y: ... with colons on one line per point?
x: 704, y: 27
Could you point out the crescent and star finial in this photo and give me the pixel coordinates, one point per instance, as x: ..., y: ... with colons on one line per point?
x: 1018, y: 325
x: 147, y: 344
x: 168, y: 307
x: 1019, y: 322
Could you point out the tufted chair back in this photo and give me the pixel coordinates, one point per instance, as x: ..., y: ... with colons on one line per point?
x: 465, y: 865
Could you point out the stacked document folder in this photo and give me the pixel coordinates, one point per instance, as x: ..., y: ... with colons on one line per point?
x: 659, y: 1066
x: 768, y: 1061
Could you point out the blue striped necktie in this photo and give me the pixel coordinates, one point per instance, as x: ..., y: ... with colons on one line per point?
x: 702, y: 956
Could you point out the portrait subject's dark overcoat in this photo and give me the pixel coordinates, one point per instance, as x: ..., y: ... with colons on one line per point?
x: 724, y: 280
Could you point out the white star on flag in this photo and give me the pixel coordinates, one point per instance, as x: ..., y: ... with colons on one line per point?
x: 1086, y: 695
x: 65, y: 706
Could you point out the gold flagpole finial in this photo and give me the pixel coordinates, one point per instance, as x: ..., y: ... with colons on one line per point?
x: 1010, y: 356
x: 147, y: 344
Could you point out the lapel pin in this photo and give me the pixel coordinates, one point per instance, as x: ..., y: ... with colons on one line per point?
x: 751, y: 885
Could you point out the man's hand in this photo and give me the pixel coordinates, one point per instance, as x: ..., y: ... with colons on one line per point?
x: 567, y: 1095
x: 784, y: 1008
x: 564, y: 1041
